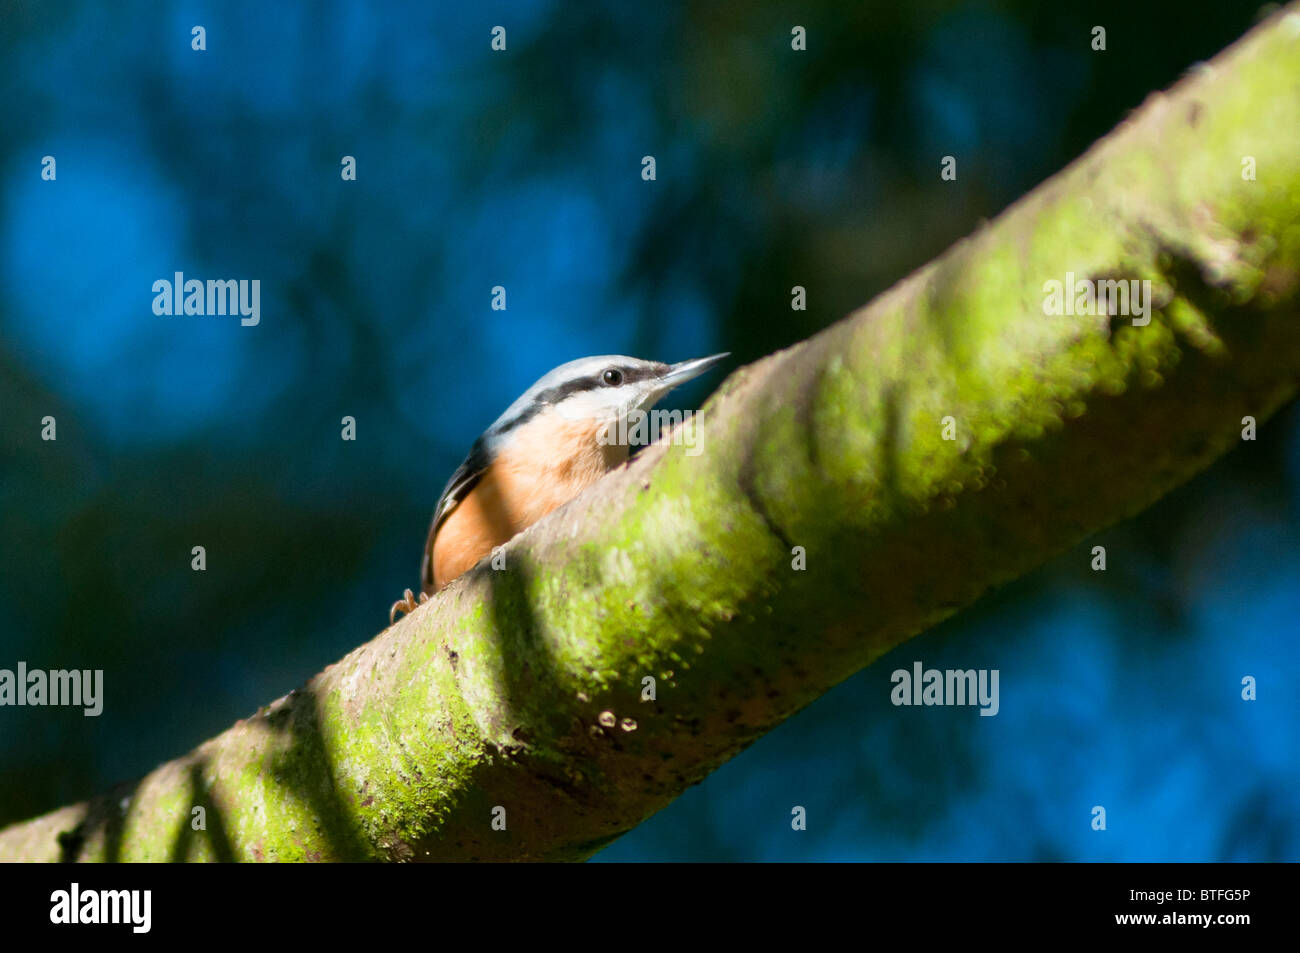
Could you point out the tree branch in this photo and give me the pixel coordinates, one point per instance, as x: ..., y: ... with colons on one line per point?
x: 522, y: 688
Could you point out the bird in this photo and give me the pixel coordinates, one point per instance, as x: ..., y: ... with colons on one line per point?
x: 554, y: 441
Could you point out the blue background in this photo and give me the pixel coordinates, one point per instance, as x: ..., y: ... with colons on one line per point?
x: 522, y: 169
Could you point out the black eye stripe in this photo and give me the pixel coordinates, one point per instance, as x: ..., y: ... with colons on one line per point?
x: 633, y: 375
x: 553, y: 395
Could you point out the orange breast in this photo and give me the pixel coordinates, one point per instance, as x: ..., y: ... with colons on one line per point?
x: 546, y: 464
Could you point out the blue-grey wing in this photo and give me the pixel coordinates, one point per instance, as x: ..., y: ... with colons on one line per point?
x: 462, y: 481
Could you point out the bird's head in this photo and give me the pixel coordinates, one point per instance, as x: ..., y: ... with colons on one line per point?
x: 600, y: 389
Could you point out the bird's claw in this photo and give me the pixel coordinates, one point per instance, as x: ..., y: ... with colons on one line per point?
x: 406, y: 604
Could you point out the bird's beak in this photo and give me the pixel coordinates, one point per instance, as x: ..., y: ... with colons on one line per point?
x: 689, y: 370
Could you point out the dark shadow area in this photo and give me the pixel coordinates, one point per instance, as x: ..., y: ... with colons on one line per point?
x: 307, y: 770
x: 214, y: 829
x: 105, y: 818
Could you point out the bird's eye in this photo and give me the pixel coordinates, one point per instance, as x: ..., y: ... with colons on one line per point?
x: 612, y: 376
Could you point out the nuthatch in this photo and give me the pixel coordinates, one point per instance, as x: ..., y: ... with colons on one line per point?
x: 550, y: 445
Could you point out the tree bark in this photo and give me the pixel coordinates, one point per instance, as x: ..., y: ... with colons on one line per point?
x: 520, y: 695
